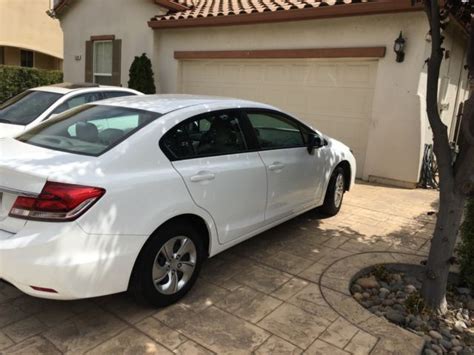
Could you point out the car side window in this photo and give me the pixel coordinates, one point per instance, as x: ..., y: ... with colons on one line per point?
x: 275, y: 131
x: 76, y: 101
x: 112, y: 94
x: 214, y: 133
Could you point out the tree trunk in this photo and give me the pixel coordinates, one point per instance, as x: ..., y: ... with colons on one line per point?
x: 451, y: 209
x: 456, y: 176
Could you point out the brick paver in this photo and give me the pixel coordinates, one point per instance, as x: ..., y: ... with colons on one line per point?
x: 283, y: 292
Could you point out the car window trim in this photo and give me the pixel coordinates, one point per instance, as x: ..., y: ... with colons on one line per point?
x: 299, y: 124
x: 170, y: 155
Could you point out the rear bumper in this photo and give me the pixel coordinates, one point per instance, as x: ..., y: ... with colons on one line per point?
x: 62, y: 257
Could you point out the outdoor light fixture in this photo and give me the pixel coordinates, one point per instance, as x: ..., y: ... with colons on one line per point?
x: 399, y: 48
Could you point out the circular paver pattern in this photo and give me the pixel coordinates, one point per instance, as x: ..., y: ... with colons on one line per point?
x: 335, y: 284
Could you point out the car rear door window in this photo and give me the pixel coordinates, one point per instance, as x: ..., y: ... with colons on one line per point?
x: 210, y: 134
x: 112, y: 94
x: 275, y: 131
x: 78, y: 100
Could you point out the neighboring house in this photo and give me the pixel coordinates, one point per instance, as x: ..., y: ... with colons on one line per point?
x: 329, y: 62
x: 28, y: 37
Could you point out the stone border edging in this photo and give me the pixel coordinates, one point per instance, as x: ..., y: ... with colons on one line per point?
x: 334, y: 284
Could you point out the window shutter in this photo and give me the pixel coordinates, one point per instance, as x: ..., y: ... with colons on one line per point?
x: 89, y: 75
x: 117, y: 62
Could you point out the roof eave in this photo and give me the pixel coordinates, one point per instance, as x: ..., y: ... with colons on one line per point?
x: 358, y: 9
x: 170, y: 5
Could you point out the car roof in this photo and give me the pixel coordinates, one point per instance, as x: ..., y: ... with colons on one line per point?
x: 66, y: 88
x: 166, y: 103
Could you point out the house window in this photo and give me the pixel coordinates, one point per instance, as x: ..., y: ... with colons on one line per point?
x: 26, y: 59
x: 103, y: 59
x: 2, y: 55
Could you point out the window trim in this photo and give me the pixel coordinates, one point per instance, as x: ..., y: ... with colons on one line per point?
x: 249, y: 145
x: 94, y: 74
x: 269, y: 112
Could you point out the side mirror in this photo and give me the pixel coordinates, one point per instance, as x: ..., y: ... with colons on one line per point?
x: 315, y: 142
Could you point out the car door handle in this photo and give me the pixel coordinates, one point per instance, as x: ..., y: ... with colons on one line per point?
x: 276, y: 166
x: 203, y: 176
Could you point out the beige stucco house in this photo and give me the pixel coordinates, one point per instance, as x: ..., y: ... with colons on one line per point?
x: 28, y: 37
x: 330, y: 62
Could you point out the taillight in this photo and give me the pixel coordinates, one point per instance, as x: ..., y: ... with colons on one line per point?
x: 57, y: 202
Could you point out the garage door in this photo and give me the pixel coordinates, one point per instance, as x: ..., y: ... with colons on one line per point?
x: 334, y: 96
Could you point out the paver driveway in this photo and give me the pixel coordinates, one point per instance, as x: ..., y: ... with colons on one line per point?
x: 262, y: 296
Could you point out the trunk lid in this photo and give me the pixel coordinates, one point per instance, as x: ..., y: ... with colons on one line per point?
x: 10, y: 130
x: 25, y: 168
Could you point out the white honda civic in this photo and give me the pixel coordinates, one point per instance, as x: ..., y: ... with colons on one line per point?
x: 134, y: 193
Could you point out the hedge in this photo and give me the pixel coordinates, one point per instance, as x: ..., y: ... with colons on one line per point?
x: 466, y: 247
x: 14, y: 80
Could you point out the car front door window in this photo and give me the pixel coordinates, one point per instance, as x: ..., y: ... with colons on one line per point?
x: 275, y: 131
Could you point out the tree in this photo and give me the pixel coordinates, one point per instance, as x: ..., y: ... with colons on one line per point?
x: 141, y: 75
x: 456, y: 171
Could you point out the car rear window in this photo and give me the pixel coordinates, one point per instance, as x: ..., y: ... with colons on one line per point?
x: 88, y: 129
x: 27, y: 106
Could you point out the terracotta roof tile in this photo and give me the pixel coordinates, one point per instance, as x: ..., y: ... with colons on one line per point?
x: 216, y: 8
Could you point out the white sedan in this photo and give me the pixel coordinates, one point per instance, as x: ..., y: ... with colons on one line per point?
x: 134, y: 193
x: 33, y: 106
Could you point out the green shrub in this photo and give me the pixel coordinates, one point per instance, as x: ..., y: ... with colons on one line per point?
x: 415, y: 303
x: 466, y: 247
x: 14, y: 80
x: 141, y: 75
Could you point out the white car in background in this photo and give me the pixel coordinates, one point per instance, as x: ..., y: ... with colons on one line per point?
x: 33, y: 106
x: 133, y: 193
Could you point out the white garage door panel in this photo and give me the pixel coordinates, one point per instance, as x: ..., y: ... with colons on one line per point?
x: 333, y: 96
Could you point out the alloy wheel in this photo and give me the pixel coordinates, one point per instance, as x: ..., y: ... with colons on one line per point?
x: 339, y: 190
x: 174, y: 265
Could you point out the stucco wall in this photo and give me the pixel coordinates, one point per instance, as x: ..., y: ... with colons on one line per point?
x: 125, y: 19
x: 395, y: 137
x: 25, y: 24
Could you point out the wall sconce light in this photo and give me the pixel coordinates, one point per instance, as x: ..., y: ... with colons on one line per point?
x: 399, y: 48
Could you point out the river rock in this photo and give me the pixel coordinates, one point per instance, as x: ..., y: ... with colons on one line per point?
x: 437, y: 348
x: 395, y: 317
x: 384, y: 292
x: 455, y: 342
x: 460, y: 326
x: 463, y: 291
x: 368, y: 282
x: 410, y: 289
x: 470, y: 304
x: 446, y: 344
x: 435, y: 335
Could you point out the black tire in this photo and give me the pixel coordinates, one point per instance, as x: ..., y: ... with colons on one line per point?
x: 330, y: 208
x: 142, y: 286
